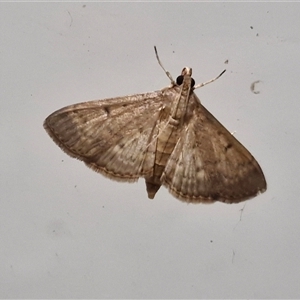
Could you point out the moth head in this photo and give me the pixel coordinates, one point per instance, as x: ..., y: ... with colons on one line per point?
x: 186, y: 71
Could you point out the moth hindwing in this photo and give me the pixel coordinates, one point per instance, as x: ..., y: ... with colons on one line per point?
x: 167, y: 137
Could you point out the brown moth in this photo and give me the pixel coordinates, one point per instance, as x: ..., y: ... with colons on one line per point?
x: 167, y: 137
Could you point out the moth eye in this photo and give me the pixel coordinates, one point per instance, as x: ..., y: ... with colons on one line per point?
x: 193, y: 82
x: 179, y: 80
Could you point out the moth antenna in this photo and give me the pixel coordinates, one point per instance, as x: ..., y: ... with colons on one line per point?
x: 167, y: 72
x: 209, y: 81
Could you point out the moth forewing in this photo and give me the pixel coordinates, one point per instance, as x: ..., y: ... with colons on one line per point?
x: 209, y: 164
x: 167, y: 137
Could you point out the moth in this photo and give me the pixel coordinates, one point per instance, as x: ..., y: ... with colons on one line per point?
x: 167, y: 137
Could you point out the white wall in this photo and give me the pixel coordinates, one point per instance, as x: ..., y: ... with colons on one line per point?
x: 67, y: 232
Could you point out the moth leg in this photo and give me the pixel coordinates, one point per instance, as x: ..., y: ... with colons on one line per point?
x: 167, y: 72
x: 209, y: 81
